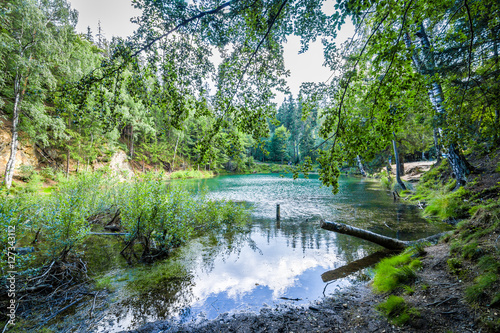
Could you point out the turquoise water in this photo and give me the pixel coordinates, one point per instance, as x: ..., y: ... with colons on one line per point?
x: 272, y: 261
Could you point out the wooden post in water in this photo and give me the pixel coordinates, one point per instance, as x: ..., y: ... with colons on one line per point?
x: 278, y: 212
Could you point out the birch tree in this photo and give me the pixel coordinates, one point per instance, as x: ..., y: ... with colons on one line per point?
x: 31, y: 28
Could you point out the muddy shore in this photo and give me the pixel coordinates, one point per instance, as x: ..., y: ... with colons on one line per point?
x: 440, y: 304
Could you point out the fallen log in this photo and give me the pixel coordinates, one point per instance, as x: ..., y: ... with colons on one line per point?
x: 387, y: 242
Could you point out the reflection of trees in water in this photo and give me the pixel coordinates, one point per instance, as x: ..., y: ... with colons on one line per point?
x: 168, y: 300
x: 102, y: 253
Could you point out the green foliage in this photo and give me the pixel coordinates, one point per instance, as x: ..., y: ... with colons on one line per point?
x: 48, y: 173
x: 397, y: 310
x: 26, y: 172
x: 105, y: 282
x: 455, y: 266
x: 408, y: 290
x: 386, y: 180
x: 63, y: 215
x: 162, y: 216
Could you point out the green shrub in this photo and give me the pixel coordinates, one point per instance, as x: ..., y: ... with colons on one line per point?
x: 48, y: 173
x: 161, y: 217
x: 455, y: 266
x: 63, y: 215
x: 26, y: 172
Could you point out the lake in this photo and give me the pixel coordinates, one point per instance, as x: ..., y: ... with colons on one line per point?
x: 271, y: 261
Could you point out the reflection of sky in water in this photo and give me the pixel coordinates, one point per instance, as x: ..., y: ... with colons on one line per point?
x: 246, y: 271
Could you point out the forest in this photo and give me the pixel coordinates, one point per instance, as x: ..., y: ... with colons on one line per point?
x: 193, y: 93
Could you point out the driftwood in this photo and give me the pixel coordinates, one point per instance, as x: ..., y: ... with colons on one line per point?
x: 387, y: 242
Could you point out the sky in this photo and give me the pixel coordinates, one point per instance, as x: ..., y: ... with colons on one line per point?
x: 115, y: 15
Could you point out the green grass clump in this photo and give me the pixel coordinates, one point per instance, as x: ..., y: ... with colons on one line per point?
x: 391, y: 272
x: 397, y: 311
x: 475, y: 293
x: 447, y: 205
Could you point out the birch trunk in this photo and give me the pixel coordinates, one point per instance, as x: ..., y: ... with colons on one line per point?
x: 360, y: 166
x: 456, y: 160
x: 398, y: 165
x: 11, y: 164
x: 175, y: 150
x: 131, y: 141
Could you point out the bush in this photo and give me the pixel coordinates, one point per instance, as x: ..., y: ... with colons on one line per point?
x: 161, y: 217
x: 63, y: 215
x: 26, y: 172
x: 48, y: 173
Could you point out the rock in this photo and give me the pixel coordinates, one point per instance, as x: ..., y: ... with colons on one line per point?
x: 25, y: 152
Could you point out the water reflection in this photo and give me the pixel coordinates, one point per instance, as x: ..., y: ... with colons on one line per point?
x: 242, y: 271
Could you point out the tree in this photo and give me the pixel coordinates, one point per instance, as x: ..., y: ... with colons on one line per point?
x: 34, y: 29
x: 279, y: 144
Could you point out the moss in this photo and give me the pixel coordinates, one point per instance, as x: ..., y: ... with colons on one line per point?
x: 397, y: 311
x: 455, y: 266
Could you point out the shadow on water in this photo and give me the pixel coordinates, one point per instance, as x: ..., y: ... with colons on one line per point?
x: 270, y: 262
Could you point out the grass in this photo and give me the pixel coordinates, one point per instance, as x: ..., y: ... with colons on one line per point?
x: 190, y: 174
x: 448, y: 205
x: 391, y: 272
x: 397, y: 311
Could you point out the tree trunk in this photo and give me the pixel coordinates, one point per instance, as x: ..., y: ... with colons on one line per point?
x: 67, y: 163
x: 360, y: 166
x: 131, y: 141
x: 175, y: 151
x: 398, y: 166
x: 436, y: 145
x: 459, y: 165
x: 11, y: 164
x: 387, y: 242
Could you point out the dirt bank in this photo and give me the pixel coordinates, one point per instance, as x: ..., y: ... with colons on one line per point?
x: 438, y: 297
x: 413, y: 170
